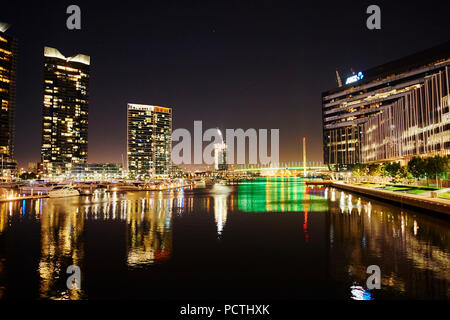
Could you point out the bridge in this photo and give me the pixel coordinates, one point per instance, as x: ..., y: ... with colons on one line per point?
x: 309, y: 168
x: 282, y: 170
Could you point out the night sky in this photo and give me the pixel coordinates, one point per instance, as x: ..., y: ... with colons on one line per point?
x: 231, y: 64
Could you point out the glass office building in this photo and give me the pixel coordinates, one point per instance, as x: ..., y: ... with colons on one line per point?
x: 391, y: 112
x: 65, y: 110
x: 149, y: 140
x: 8, y: 61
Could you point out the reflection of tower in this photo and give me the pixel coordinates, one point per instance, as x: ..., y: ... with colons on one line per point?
x: 220, y: 155
x: 149, y: 231
x: 305, y: 226
x: 306, y: 203
x: 304, y: 156
x: 62, y: 245
x: 220, y: 211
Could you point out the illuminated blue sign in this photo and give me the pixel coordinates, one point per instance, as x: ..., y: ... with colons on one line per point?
x: 354, y: 78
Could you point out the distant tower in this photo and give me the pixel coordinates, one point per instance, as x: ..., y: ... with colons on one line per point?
x: 220, y: 155
x: 304, y: 156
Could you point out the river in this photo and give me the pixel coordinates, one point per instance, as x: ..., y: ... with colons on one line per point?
x: 270, y: 238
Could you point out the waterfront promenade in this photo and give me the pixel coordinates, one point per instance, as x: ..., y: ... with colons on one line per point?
x: 421, y: 202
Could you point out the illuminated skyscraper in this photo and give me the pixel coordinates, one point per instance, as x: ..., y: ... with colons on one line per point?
x: 65, y: 110
x: 220, y: 156
x: 149, y: 139
x: 8, y: 58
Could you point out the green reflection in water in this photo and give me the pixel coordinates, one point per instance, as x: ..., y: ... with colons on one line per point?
x: 281, y: 194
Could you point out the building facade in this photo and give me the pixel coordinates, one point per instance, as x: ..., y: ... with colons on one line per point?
x: 65, y: 110
x: 97, y: 171
x: 391, y: 112
x: 8, y: 60
x: 149, y: 140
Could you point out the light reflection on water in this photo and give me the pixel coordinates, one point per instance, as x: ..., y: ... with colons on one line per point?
x: 389, y: 236
x: 347, y: 233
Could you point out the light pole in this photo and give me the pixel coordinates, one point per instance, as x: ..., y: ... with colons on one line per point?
x: 304, y: 156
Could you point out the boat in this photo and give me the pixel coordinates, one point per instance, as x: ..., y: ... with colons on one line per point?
x: 199, y: 183
x: 37, y: 188
x: 63, y: 191
x: 222, y: 182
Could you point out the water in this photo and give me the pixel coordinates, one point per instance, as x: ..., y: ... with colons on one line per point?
x: 269, y: 239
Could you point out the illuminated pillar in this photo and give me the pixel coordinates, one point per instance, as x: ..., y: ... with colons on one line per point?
x: 304, y: 156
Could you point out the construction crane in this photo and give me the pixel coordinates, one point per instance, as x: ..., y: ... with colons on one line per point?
x: 338, y: 77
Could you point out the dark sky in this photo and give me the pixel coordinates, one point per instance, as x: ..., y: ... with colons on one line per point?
x: 232, y: 64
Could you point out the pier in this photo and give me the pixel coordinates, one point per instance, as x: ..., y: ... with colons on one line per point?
x: 24, y: 197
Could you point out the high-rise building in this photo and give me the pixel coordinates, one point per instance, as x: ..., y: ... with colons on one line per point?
x: 149, y: 139
x: 220, y: 156
x: 8, y: 58
x: 391, y: 112
x: 65, y: 111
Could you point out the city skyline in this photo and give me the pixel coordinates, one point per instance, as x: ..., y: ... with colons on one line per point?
x: 225, y: 159
x: 208, y: 68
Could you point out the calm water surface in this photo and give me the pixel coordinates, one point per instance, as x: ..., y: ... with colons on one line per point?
x: 269, y: 238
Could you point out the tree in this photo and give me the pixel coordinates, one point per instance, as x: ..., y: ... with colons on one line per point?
x: 374, y: 169
x: 416, y: 166
x: 392, y: 168
x: 27, y: 176
x: 435, y: 166
x: 446, y: 166
x: 403, y: 172
x: 359, y: 170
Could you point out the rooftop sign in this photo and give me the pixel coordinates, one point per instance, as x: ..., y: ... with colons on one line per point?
x: 354, y: 78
